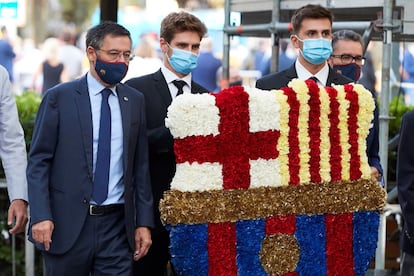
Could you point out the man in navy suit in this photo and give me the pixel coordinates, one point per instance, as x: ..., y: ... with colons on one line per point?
x: 84, y: 226
x: 312, y: 35
x: 180, y: 38
x: 405, y: 186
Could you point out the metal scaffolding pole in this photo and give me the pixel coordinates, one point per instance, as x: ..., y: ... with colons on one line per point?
x: 383, y: 122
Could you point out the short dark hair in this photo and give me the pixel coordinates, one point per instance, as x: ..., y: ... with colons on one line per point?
x: 96, y: 35
x: 178, y: 22
x: 346, y: 35
x: 309, y: 11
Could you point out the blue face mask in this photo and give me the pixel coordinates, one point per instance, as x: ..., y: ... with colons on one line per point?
x: 352, y: 70
x: 182, y: 61
x: 111, y: 72
x: 316, y: 51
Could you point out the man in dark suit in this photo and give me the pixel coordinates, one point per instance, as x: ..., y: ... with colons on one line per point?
x: 180, y: 38
x: 89, y: 191
x: 405, y: 186
x: 312, y: 35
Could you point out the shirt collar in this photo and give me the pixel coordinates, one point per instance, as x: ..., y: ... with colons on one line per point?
x: 304, y: 74
x: 95, y: 87
x: 170, y: 76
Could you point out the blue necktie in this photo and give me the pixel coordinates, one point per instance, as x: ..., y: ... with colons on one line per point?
x: 101, y: 177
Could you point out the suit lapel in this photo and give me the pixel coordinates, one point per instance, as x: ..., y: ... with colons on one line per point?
x: 85, y: 121
x: 197, y: 89
x: 161, y: 88
x: 125, y: 107
x: 291, y: 74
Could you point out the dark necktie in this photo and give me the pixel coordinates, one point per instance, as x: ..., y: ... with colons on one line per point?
x: 179, y: 84
x: 315, y: 79
x: 101, y: 177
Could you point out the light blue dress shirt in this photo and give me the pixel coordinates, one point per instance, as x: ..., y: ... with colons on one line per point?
x: 116, y: 185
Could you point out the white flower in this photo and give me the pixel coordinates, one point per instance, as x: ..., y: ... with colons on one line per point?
x: 193, y: 114
x: 264, y: 110
x: 265, y: 173
x: 197, y: 177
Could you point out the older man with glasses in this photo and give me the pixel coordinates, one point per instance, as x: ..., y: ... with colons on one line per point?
x: 347, y: 59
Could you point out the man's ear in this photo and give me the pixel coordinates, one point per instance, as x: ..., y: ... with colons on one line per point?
x: 163, y: 45
x: 295, y: 41
x: 91, y: 53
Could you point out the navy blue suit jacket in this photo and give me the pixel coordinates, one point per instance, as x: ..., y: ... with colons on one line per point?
x: 281, y: 79
x: 60, y: 165
x: 405, y: 180
x: 161, y: 151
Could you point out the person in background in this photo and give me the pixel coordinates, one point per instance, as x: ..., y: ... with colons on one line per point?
x: 180, y: 37
x: 347, y: 59
x: 407, y: 74
x: 207, y: 65
x: 91, y: 206
x: 51, y: 69
x: 7, y: 53
x: 285, y: 61
x: 71, y: 56
x: 312, y: 35
x: 235, y: 78
x: 13, y: 156
x: 145, y: 59
x: 405, y: 188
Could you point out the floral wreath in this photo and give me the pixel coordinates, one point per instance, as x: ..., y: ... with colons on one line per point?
x: 273, y: 182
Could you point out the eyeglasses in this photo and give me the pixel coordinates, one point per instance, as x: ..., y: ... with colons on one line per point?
x: 114, y: 54
x: 346, y: 59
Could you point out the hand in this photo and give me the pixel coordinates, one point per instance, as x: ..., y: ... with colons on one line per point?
x: 142, y: 242
x: 17, y: 214
x: 375, y: 175
x: 42, y: 232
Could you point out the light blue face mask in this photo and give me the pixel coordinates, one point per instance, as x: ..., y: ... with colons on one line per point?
x: 182, y: 61
x: 317, y: 50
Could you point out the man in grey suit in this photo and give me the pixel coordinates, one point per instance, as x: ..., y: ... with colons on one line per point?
x: 312, y: 35
x: 88, y: 178
x: 13, y: 155
x: 180, y: 38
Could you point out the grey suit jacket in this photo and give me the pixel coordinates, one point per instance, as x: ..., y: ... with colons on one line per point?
x: 60, y: 162
x: 282, y: 78
x: 12, y: 146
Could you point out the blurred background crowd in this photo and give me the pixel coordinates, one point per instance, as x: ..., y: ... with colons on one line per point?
x: 42, y: 47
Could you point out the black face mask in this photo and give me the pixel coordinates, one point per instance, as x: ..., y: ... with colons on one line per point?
x: 352, y: 70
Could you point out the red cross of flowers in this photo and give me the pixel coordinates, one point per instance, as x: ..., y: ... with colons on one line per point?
x: 235, y: 145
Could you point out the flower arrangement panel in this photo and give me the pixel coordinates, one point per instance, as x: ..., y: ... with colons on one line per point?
x: 272, y: 182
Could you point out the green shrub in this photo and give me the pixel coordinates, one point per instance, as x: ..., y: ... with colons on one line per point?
x: 27, y: 106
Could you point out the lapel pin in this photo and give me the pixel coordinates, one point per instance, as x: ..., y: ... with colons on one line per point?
x: 126, y: 99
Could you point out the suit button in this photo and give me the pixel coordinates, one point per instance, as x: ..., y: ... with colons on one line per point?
x: 85, y: 201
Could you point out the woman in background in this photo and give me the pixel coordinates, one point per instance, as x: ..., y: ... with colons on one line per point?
x: 52, y: 69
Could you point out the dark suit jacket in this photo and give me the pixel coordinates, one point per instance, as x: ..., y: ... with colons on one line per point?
x: 405, y: 180
x: 161, y: 151
x: 60, y: 165
x: 281, y: 79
